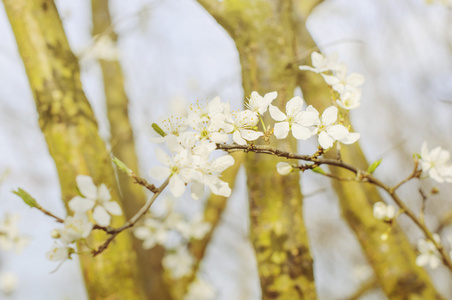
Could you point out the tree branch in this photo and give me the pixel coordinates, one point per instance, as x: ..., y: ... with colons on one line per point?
x: 363, y: 176
x: 115, y: 231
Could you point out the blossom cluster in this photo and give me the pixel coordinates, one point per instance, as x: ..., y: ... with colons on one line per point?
x: 173, y: 231
x: 10, y: 237
x: 336, y: 75
x: 192, y: 137
x: 96, y: 203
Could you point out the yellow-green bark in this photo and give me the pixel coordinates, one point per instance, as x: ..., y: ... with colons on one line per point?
x: 123, y: 146
x: 265, y: 38
x: 270, y: 48
x: 70, y: 129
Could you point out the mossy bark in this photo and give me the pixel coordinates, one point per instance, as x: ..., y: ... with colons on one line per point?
x: 70, y: 129
x: 272, y: 40
x: 266, y: 41
x: 123, y: 147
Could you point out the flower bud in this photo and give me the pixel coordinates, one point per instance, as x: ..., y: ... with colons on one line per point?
x: 284, y: 168
x: 55, y: 234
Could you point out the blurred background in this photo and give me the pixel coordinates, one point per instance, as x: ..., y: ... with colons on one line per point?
x: 173, y: 50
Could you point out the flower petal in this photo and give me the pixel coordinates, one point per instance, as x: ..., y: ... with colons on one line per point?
x: 329, y: 116
x: 177, y: 186
x: 355, y: 79
x: 162, y: 157
x: 250, y: 135
x: 197, y: 190
x: 309, y: 118
x: 86, y: 186
x: 173, y: 144
x: 113, y: 208
x: 300, y: 133
x: 276, y: 114
x: 350, y: 138
x: 422, y: 260
x: 101, y: 216
x: 222, y: 163
x: 141, y: 232
x: 331, y: 80
x: 325, y: 141
x: 238, y: 138
x: 160, y: 172
x: 337, y: 132
x: 281, y: 130
x: 294, y: 106
x: 79, y: 204
x: 103, y: 193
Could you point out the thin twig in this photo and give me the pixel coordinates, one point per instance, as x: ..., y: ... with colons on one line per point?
x: 143, y: 182
x: 415, y: 174
x: 115, y: 231
x: 58, y: 219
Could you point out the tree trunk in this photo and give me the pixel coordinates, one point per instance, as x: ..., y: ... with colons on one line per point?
x: 70, y: 129
x: 123, y: 147
x: 265, y: 39
x: 270, y: 37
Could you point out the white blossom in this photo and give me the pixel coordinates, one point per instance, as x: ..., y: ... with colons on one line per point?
x: 384, y: 212
x: 8, y: 283
x: 294, y: 119
x: 428, y: 254
x: 258, y: 104
x: 200, y: 290
x: 342, y: 82
x: 76, y: 227
x: 59, y: 252
x: 10, y: 237
x: 179, y: 166
x: 350, y: 99
x: 210, y: 172
x: 195, y: 229
x: 172, y: 125
x: 321, y: 63
x: 179, y: 263
x: 329, y: 131
x: 96, y: 198
x: 199, y: 113
x: 434, y: 163
x: 242, y: 127
x: 284, y: 168
x: 152, y: 232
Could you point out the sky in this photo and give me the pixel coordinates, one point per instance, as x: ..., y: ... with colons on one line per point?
x: 173, y: 48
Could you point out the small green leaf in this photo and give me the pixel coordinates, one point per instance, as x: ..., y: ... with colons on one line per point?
x: 158, y: 129
x: 319, y: 170
x: 374, y: 166
x: 416, y: 156
x: 122, y: 166
x: 28, y: 199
